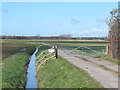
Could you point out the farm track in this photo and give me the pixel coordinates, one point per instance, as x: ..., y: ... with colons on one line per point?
x: 95, y: 67
x: 101, y: 70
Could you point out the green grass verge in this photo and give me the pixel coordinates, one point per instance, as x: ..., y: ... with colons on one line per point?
x: 14, y: 69
x: 58, y: 73
x: 108, y: 58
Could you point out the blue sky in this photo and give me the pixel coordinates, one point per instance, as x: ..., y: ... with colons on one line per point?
x: 81, y: 19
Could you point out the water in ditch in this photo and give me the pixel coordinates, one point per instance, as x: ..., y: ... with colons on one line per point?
x: 31, y: 72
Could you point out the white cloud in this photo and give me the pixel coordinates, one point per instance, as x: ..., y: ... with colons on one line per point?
x: 75, y: 21
x: 92, y: 33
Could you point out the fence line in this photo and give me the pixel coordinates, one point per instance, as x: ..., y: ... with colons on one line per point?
x: 38, y: 67
x: 41, y: 64
x: 85, y: 48
x: 89, y: 49
x: 43, y: 58
x: 41, y: 54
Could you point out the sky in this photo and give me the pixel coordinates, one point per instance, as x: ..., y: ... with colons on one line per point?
x: 81, y: 19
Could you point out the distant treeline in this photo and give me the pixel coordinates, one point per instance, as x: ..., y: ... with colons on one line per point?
x: 52, y: 37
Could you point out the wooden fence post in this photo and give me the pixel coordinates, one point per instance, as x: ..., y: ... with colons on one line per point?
x: 56, y: 52
x: 107, y: 47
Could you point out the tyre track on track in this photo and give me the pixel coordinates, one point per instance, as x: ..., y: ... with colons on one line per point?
x: 107, y: 78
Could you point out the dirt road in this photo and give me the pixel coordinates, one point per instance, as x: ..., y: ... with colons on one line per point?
x: 103, y: 71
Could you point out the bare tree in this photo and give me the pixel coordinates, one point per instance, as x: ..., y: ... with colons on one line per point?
x: 114, y: 33
x: 113, y: 23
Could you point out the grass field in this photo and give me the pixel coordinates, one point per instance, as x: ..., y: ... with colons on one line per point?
x: 71, y: 42
x: 10, y: 49
x: 15, y: 58
x: 58, y: 73
x: 14, y: 64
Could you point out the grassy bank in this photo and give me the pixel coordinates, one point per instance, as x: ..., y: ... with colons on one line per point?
x: 14, y: 67
x: 108, y: 58
x: 58, y: 73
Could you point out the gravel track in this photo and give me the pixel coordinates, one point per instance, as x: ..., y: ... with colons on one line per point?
x: 103, y: 71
